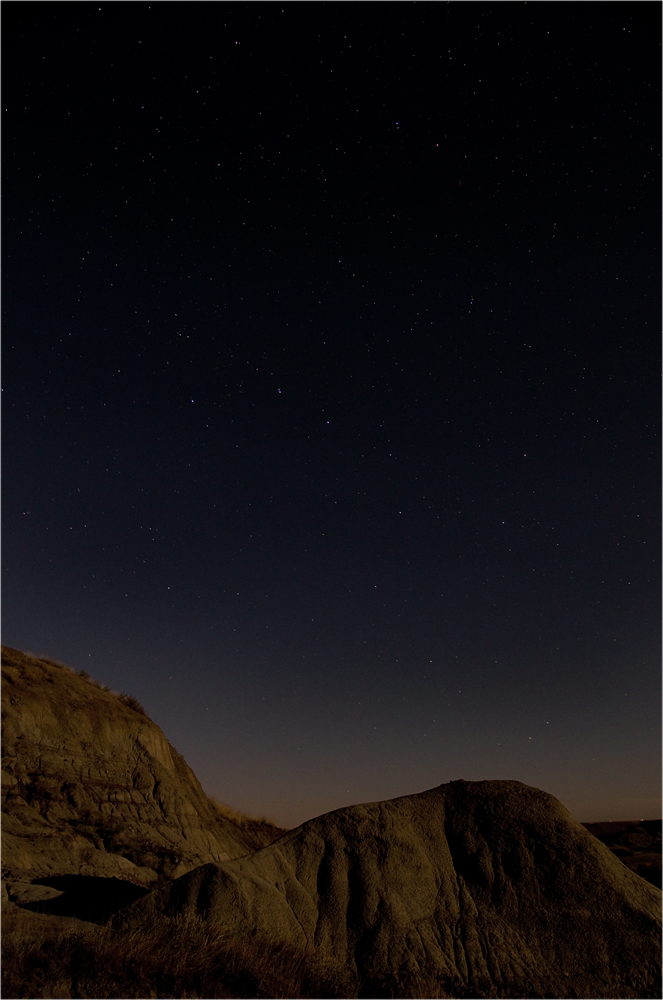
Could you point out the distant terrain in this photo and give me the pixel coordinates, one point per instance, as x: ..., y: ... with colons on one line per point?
x: 122, y: 878
x: 637, y: 844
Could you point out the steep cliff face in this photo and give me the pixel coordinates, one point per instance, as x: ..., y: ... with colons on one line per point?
x: 475, y: 889
x: 91, y: 786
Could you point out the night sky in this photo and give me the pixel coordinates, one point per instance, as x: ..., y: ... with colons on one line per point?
x: 331, y: 387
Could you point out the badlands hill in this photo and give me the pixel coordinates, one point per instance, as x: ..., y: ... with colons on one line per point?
x: 472, y: 889
x: 92, y: 787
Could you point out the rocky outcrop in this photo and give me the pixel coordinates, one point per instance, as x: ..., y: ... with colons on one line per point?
x: 481, y: 889
x: 92, y: 787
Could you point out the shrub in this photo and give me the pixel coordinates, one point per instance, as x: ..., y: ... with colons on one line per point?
x: 238, y: 818
x: 131, y: 702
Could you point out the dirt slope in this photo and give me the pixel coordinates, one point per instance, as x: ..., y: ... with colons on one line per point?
x: 91, y: 786
x: 478, y: 888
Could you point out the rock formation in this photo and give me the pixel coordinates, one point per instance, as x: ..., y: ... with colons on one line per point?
x: 472, y: 889
x: 91, y: 786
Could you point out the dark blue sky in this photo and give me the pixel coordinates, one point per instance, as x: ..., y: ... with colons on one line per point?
x: 331, y: 387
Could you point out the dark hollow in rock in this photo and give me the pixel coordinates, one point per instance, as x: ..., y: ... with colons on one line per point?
x: 86, y: 897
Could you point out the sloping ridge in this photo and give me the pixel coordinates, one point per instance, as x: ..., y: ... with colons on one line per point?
x: 486, y: 888
x: 91, y: 786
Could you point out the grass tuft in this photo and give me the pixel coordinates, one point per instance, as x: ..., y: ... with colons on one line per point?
x: 131, y: 702
x: 238, y: 818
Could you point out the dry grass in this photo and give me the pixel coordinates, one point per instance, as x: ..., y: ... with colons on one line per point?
x: 187, y: 958
x: 190, y: 958
x: 131, y: 702
x: 16, y: 658
x: 238, y: 818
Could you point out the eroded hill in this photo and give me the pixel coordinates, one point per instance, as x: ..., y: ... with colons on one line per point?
x: 472, y: 889
x: 91, y: 786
